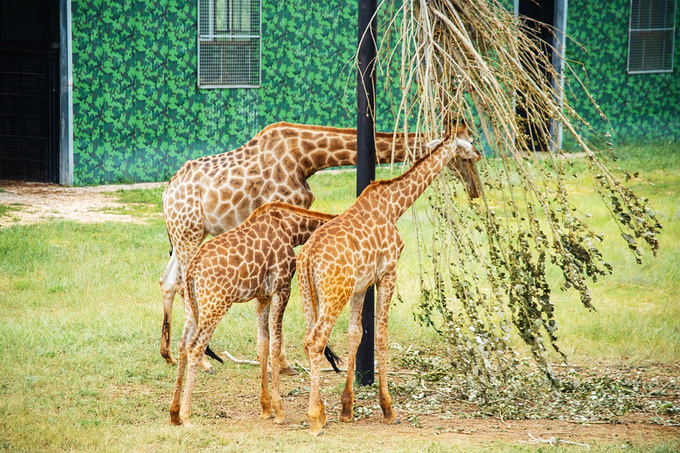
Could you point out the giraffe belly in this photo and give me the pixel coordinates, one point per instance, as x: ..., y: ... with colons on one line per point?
x: 223, y: 216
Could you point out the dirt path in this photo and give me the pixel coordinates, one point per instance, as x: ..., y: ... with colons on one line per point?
x: 233, y: 410
x: 35, y: 202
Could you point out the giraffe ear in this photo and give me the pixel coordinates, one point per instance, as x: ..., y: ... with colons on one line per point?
x: 466, y: 145
x: 433, y: 143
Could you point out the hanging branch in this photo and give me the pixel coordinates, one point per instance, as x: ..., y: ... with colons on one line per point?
x: 483, y: 271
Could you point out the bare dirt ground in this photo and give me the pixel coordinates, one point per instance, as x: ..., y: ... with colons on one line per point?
x: 445, y: 422
x: 451, y: 423
x: 36, y: 202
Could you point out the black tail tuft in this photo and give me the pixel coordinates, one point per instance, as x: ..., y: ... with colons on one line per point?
x: 333, y: 358
x: 209, y: 352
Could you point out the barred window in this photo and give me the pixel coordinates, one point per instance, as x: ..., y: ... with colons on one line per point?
x: 229, y: 43
x: 651, y: 36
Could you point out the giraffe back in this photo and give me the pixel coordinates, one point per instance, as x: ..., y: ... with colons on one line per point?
x: 255, y: 258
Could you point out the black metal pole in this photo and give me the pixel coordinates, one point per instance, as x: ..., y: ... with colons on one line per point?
x: 366, y: 165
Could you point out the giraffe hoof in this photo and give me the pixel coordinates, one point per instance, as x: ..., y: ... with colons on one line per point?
x: 187, y: 424
x: 288, y: 371
x: 170, y: 361
x: 346, y: 418
x: 283, y: 421
x: 394, y: 421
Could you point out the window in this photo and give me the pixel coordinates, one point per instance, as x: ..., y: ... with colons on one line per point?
x: 229, y: 43
x: 651, y: 36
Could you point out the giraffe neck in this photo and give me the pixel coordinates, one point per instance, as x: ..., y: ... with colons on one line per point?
x: 317, y: 147
x: 404, y: 190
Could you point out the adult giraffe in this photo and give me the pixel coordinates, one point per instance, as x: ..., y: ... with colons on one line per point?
x: 213, y: 194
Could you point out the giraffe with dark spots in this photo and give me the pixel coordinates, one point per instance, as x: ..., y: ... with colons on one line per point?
x: 252, y: 261
x: 213, y: 194
x: 357, y: 249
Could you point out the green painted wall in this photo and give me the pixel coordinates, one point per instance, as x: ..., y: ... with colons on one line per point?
x: 640, y: 107
x: 138, y: 114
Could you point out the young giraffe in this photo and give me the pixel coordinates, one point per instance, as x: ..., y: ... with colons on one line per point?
x: 254, y: 260
x: 359, y: 248
x: 214, y: 194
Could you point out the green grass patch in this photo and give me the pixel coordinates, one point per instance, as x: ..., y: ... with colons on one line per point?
x: 7, y: 209
x: 138, y: 202
x: 81, y: 321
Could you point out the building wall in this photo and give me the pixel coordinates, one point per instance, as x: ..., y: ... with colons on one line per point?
x: 138, y: 115
x: 640, y: 107
x: 137, y: 112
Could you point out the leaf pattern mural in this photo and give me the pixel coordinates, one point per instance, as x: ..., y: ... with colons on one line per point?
x: 138, y: 115
x: 640, y: 107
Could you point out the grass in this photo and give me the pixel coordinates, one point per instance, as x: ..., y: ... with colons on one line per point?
x: 81, y: 316
x: 7, y: 209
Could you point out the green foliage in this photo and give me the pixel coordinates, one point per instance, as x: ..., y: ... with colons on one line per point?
x: 485, y: 268
x: 580, y: 393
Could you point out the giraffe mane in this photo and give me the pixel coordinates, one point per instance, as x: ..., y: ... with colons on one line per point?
x: 309, y: 126
x: 316, y: 128
x: 417, y: 163
x: 281, y: 206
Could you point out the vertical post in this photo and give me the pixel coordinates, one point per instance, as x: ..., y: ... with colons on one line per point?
x: 366, y: 165
x: 559, y: 41
x: 65, y: 160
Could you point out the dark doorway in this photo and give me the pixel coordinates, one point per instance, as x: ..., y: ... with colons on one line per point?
x: 535, y: 13
x: 29, y: 90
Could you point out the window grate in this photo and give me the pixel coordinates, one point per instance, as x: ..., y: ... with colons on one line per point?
x: 651, y: 36
x: 229, y: 43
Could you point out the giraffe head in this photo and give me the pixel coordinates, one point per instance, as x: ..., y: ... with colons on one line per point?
x: 458, y: 145
x: 464, y: 149
x: 462, y: 156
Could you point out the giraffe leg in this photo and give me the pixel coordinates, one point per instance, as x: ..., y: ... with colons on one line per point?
x: 189, y: 327
x: 278, y: 305
x: 185, y: 407
x: 354, y: 334
x: 315, y: 411
x: 195, y: 352
x: 285, y: 366
x: 172, y: 282
x: 168, y: 283
x: 315, y: 343
x: 318, y: 326
x: 262, y: 353
x: 384, y: 288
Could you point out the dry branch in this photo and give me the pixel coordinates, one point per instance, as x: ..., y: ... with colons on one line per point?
x: 483, y: 270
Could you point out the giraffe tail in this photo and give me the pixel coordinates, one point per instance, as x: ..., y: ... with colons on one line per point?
x: 333, y: 358
x: 210, y: 353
